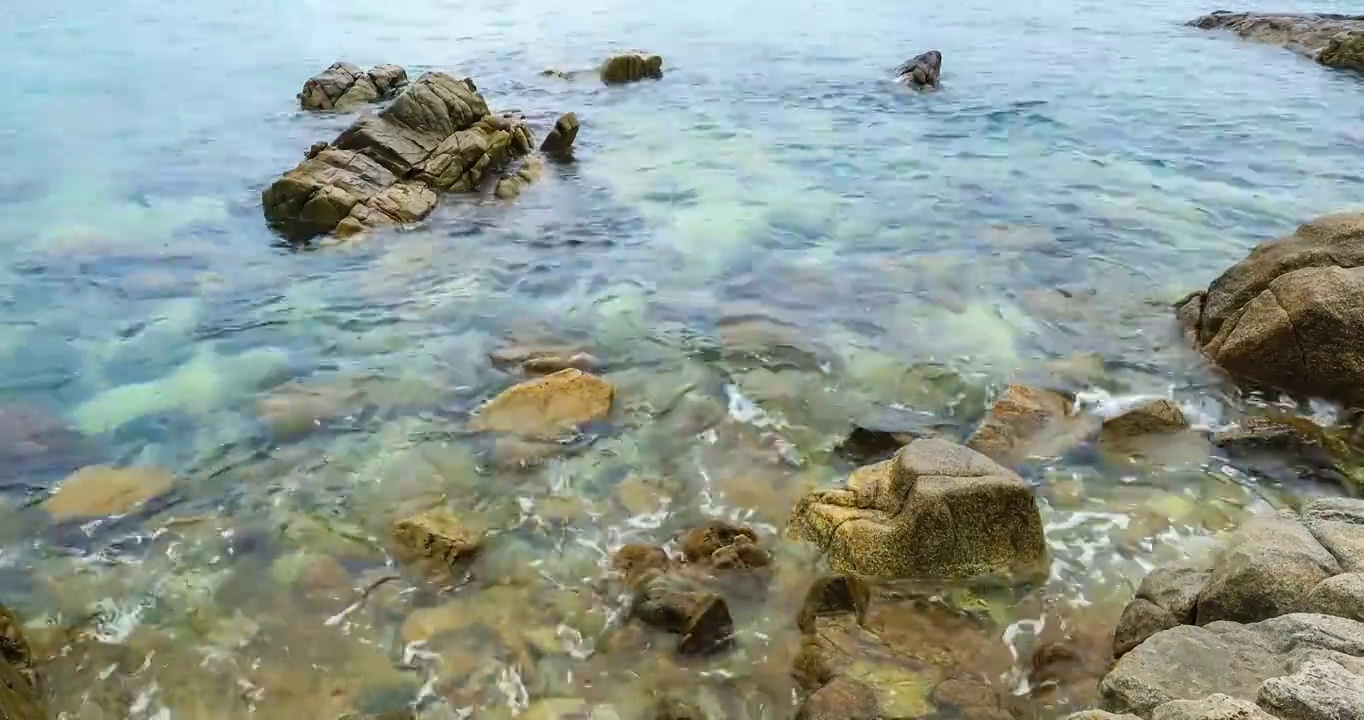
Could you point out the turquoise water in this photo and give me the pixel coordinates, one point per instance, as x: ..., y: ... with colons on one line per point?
x: 1083, y: 165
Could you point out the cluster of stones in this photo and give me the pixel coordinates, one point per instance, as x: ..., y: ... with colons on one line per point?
x: 1332, y: 40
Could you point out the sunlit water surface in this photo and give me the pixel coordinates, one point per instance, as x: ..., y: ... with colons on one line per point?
x: 760, y: 247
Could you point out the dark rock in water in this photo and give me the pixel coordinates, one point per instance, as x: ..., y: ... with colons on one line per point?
x: 677, y: 604
x: 21, y: 689
x: 558, y: 144
x: 518, y: 178
x: 922, y: 71
x: 723, y: 546
x: 882, y: 433
x: 388, y: 168
x: 1290, y: 316
x: 1027, y: 422
x: 832, y: 595
x: 343, y: 85
x: 636, y: 560
x: 1289, y: 448
x: 436, y: 535
x: 1332, y: 40
x: 631, y: 67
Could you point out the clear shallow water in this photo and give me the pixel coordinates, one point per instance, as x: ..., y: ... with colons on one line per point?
x: 1083, y: 165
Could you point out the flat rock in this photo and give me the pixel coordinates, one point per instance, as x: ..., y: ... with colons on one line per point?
x: 1265, y: 569
x: 1290, y: 316
x: 841, y: 699
x: 936, y: 510
x: 1212, y: 707
x: 437, y: 535
x: 1332, y: 40
x: 100, y: 490
x: 1026, y: 422
x: 548, y: 406
x: 1318, y: 689
x: 631, y: 67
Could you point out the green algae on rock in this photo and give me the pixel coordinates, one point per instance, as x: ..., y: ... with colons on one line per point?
x: 936, y: 510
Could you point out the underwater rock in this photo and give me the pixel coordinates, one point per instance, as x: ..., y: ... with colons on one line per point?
x: 922, y: 70
x: 388, y: 168
x: 677, y: 604
x: 631, y: 67
x: 543, y: 360
x: 1287, y: 448
x: 436, y: 535
x: 635, y: 560
x: 884, y: 431
x: 935, y: 510
x: 841, y: 699
x: 1027, y: 421
x: 509, y: 187
x: 833, y: 595
x: 1291, y: 314
x: 21, y: 689
x: 558, y: 144
x: 343, y: 85
x: 1332, y: 40
x: 33, y: 441
x: 101, y: 490
x: 547, y: 407
x: 1156, y: 416
x: 724, y: 546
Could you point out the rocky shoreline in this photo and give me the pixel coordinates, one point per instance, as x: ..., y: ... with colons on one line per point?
x: 1332, y: 40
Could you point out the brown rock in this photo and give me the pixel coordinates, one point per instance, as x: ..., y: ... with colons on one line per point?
x: 1344, y: 50
x: 701, y: 543
x: 635, y: 560
x: 922, y: 70
x: 558, y: 144
x: 1333, y: 40
x: 1156, y: 416
x: 547, y: 406
x: 509, y: 187
x: 631, y: 67
x: 543, y: 360
x: 841, y: 699
x: 1027, y: 422
x: 937, y: 510
x: 21, y: 688
x: 831, y: 595
x: 436, y: 535
x: 343, y: 85
x: 1291, y: 315
x: 100, y: 490
x: 677, y: 605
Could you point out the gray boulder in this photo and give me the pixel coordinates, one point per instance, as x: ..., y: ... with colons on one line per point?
x: 343, y: 86
x: 1338, y: 524
x: 1342, y: 596
x: 1318, y: 689
x: 1212, y: 707
x: 1264, y: 570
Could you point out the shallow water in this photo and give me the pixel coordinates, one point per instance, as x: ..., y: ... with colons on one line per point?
x: 1084, y: 164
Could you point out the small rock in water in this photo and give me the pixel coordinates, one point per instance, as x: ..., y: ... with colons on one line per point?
x: 436, y: 535
x: 547, y: 407
x: 841, y: 699
x: 1026, y: 422
x: 635, y: 560
x: 100, y: 490
x: 558, y: 144
x: 543, y: 360
x: 922, y: 70
x: 677, y: 604
x: 631, y: 67
x: 1156, y: 416
x: 724, y: 546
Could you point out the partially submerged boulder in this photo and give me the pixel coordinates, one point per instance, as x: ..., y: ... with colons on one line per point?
x: 631, y: 67
x: 935, y: 510
x: 724, y: 546
x: 558, y: 144
x: 389, y: 168
x: 678, y: 604
x: 548, y: 406
x: 343, y: 86
x: 510, y: 185
x: 1290, y: 316
x: 1332, y: 40
x: 1026, y: 422
x: 922, y: 70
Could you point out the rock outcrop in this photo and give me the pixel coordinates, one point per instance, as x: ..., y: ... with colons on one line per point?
x: 558, y: 144
x: 1332, y: 40
x: 921, y: 71
x: 1290, y: 317
x: 389, y: 168
x: 21, y: 689
x: 343, y: 86
x: 631, y: 67
x: 935, y: 510
x: 1275, y: 621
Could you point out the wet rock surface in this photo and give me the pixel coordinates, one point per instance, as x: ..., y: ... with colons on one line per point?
x: 936, y: 510
x: 389, y: 168
x: 922, y: 70
x: 343, y: 86
x: 21, y: 689
x: 1290, y: 316
x: 678, y: 604
x: 1026, y: 422
x: 558, y: 143
x: 1332, y: 40
x: 548, y: 406
x: 631, y: 67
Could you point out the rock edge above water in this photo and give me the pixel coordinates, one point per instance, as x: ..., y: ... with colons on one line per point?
x: 1332, y: 40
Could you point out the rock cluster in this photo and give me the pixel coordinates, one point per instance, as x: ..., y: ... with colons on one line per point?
x: 1290, y: 317
x: 1276, y: 621
x: 343, y: 86
x: 1332, y: 40
x: 389, y: 168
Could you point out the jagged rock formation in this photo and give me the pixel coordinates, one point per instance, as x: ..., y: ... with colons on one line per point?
x: 343, y: 86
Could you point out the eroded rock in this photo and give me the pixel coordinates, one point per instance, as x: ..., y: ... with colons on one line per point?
x: 1332, y: 40
x: 548, y: 406
x: 100, y: 490
x: 724, y: 546
x: 936, y: 510
x: 922, y: 70
x: 1026, y: 422
x: 1291, y: 315
x: 635, y: 560
x: 558, y: 144
x: 438, y: 535
x: 343, y: 86
x: 631, y: 67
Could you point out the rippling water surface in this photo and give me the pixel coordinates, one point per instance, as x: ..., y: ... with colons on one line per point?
x: 760, y: 247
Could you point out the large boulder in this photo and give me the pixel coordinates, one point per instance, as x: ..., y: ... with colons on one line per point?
x: 343, y: 86
x: 1266, y: 569
x: 1291, y: 315
x: 1333, y: 40
x: 935, y: 510
x: 1320, y: 688
x: 1190, y: 662
x: 388, y: 168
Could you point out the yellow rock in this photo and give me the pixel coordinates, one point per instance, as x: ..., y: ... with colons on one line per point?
x: 100, y: 490
x: 436, y: 534
x: 547, y: 406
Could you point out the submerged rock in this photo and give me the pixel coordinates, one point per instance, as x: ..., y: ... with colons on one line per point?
x: 388, y: 168
x: 547, y: 407
x: 1287, y: 448
x: 21, y: 689
x: 922, y: 70
x: 841, y: 699
x: 1290, y: 316
x: 1154, y: 417
x: 936, y: 510
x: 1026, y: 422
x: 343, y: 85
x: 1332, y: 40
x: 833, y: 595
x: 509, y: 187
x: 677, y: 604
x: 437, y: 535
x: 724, y: 546
x: 631, y: 67
x: 558, y: 144
x: 100, y: 490
x: 546, y: 360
